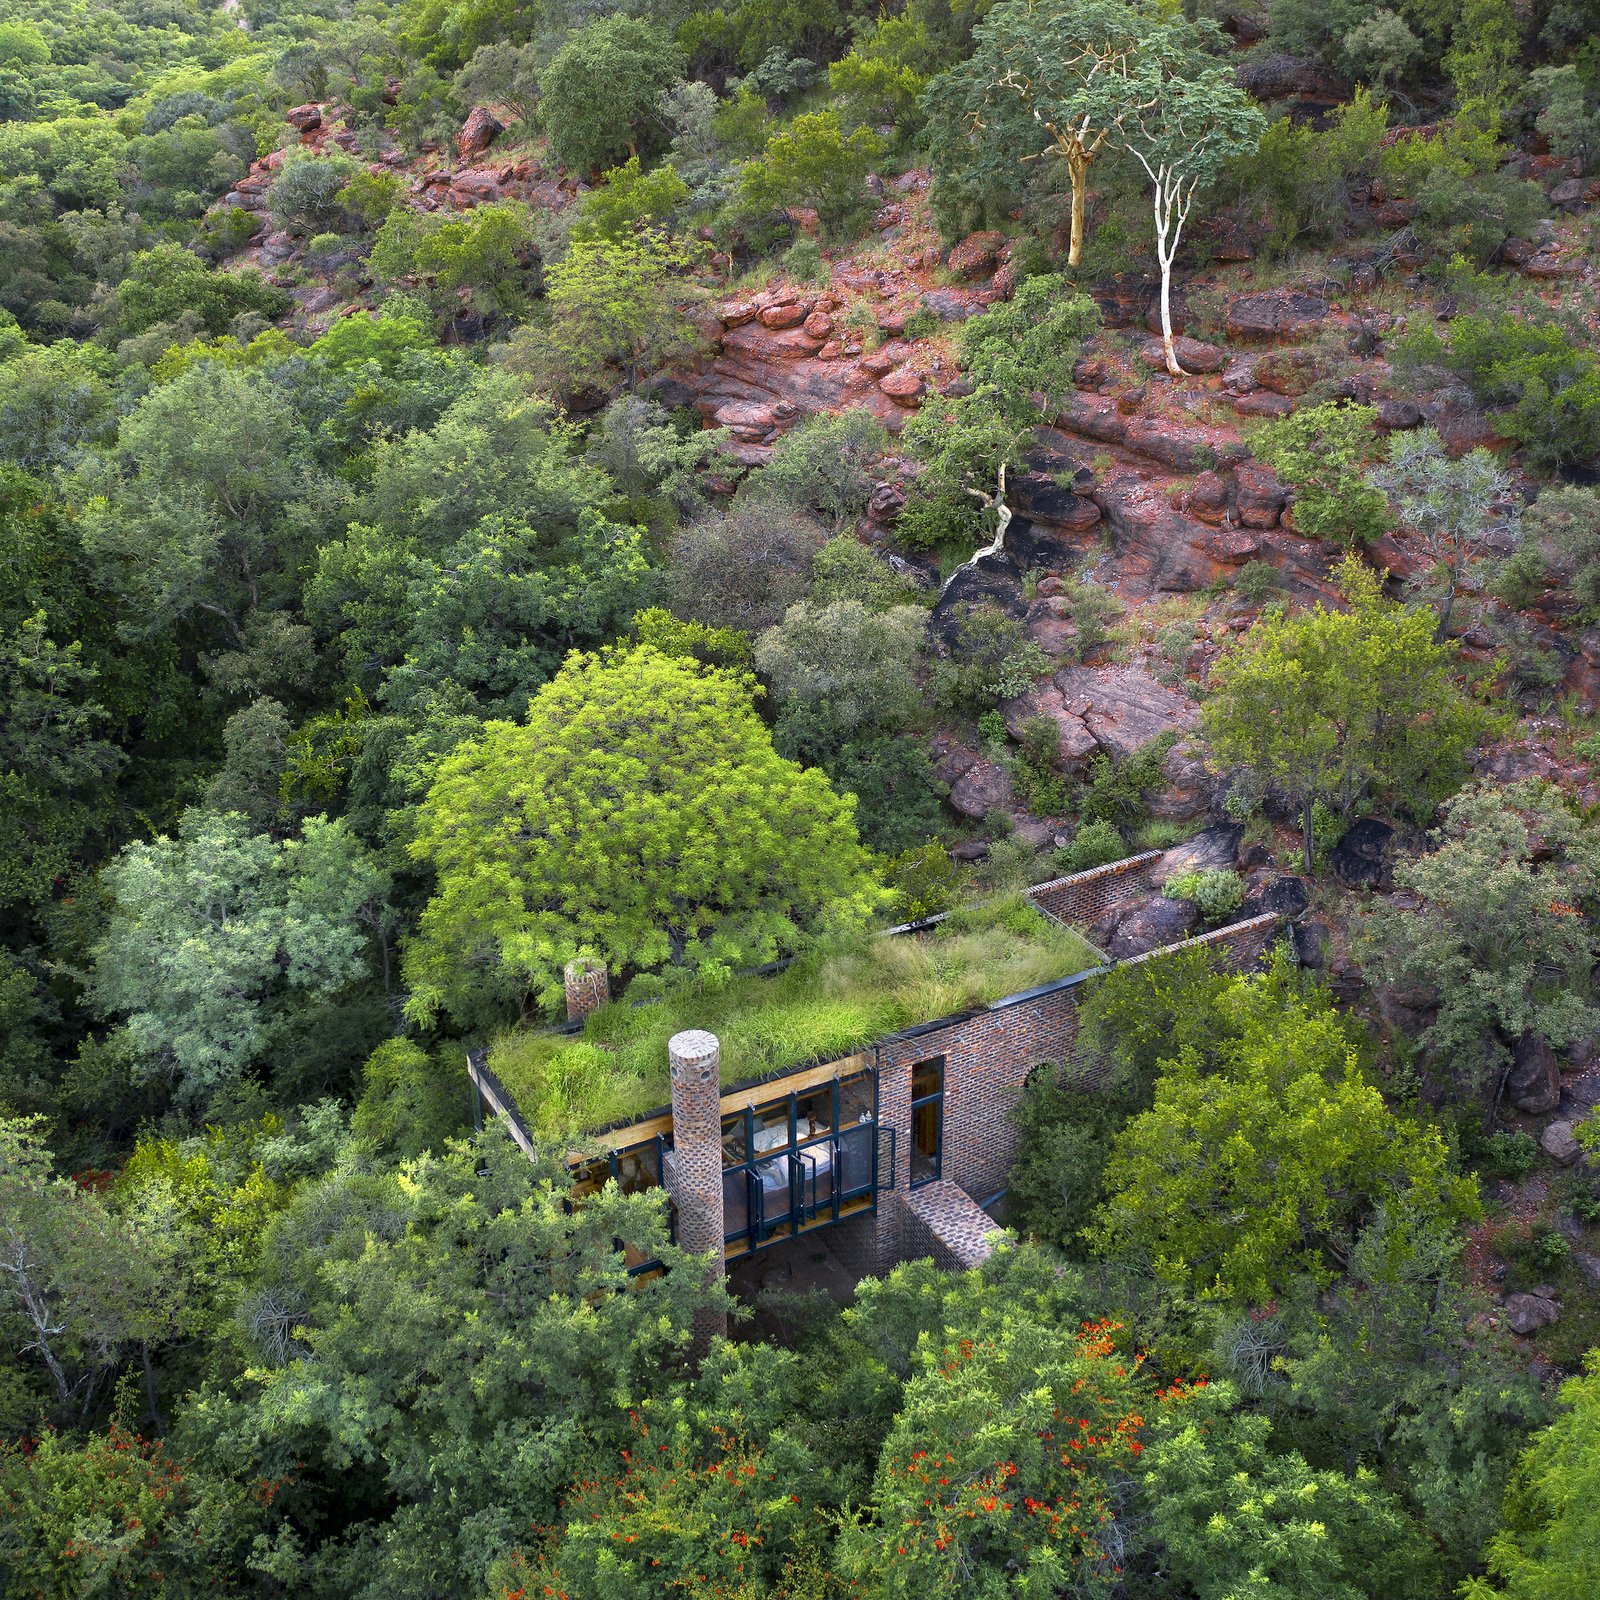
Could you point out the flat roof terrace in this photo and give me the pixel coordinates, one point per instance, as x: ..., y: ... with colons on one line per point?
x: 821, y: 1008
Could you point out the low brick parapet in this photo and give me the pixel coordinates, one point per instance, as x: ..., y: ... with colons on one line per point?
x: 962, y: 1233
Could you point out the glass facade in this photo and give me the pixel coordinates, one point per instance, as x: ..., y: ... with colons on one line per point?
x: 799, y: 1161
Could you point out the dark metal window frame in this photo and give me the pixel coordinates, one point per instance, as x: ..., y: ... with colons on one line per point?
x: 918, y: 1103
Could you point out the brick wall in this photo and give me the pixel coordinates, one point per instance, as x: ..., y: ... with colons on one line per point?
x: 1085, y: 897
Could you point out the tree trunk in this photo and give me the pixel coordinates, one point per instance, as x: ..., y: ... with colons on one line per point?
x: 1308, y: 844
x: 1173, y: 366
x: 1078, y: 168
x: 1442, y: 632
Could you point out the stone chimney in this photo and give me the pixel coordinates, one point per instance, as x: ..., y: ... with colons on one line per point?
x: 695, y: 1058
x: 588, y: 986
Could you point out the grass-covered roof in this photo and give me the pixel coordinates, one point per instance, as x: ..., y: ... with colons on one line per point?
x: 823, y: 1006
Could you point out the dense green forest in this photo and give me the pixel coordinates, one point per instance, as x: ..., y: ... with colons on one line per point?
x: 492, y: 483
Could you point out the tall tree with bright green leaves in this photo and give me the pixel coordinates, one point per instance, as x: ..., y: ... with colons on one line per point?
x: 1261, y: 1164
x: 1344, y: 707
x: 1046, y: 78
x: 639, y: 816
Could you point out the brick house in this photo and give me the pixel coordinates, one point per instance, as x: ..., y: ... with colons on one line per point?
x: 898, y: 1146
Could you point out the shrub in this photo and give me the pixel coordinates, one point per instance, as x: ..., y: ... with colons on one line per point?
x: 324, y: 248
x: 824, y: 464
x: 847, y: 569
x: 1257, y: 581
x: 812, y: 163
x: 745, y: 566
x: 923, y: 323
x: 1064, y: 1138
x: 1505, y: 1154
x: 306, y: 196
x: 992, y: 659
x: 1321, y: 453
x: 1096, y: 844
x: 1118, y: 790
x: 1213, y: 891
x: 1548, y: 382
x: 634, y: 61
x: 1538, y: 1252
x: 937, y: 522
x: 803, y: 260
x: 925, y: 879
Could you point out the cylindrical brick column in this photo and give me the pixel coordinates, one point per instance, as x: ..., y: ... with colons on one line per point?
x: 695, y: 1058
x: 588, y: 987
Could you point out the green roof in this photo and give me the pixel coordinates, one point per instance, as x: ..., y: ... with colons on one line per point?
x: 825, y: 1005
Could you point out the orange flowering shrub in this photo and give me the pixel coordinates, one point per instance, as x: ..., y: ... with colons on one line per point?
x: 1010, y: 1467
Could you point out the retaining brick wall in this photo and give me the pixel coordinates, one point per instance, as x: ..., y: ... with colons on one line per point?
x: 1084, y: 897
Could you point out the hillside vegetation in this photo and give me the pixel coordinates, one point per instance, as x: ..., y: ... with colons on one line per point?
x: 487, y: 485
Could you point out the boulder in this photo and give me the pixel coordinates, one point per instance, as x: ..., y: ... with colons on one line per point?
x: 818, y: 325
x: 477, y: 186
x: 1363, y: 859
x: 735, y: 313
x: 1207, y: 498
x: 1182, y: 446
x: 886, y: 502
x: 983, y: 788
x: 1187, y: 785
x: 1232, y: 547
x: 1074, y: 743
x: 1263, y: 403
x: 951, y: 305
x: 1275, y: 314
x: 1560, y: 1143
x: 747, y: 420
x: 789, y: 316
x: 904, y: 386
x: 1286, y: 896
x: 885, y: 358
x: 1280, y: 76
x: 1534, y: 1082
x: 1398, y: 414
x: 1310, y: 943
x: 976, y: 255
x: 1551, y: 262
x: 1257, y: 497
x: 1194, y: 355
x: 1157, y: 923
x: 1156, y: 547
x: 1214, y: 850
x: 305, y: 117
x: 993, y: 579
x: 1123, y: 707
x: 1569, y: 194
x: 478, y: 132
x: 1040, y: 498
x: 1527, y: 1313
